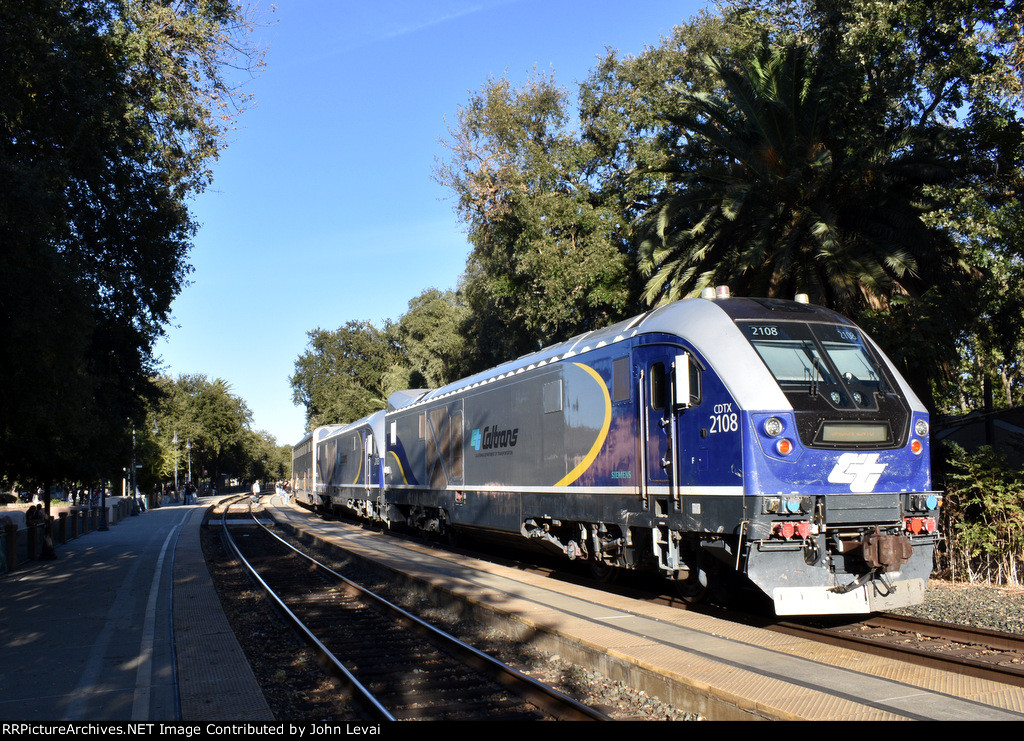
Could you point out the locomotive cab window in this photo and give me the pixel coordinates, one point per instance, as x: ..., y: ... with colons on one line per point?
x: 688, y: 391
x: 659, y: 387
x: 830, y: 361
x: 687, y: 384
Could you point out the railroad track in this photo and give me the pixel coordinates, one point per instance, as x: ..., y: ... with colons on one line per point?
x: 969, y: 651
x: 964, y: 650
x: 391, y: 663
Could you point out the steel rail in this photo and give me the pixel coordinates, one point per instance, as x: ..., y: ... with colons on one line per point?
x: 333, y: 665
x: 552, y: 701
x: 1011, y: 674
x: 959, y: 633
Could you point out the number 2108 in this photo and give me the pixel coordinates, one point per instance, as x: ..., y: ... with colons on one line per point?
x: 724, y: 423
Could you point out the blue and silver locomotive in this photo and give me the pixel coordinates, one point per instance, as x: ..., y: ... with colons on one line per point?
x: 766, y: 439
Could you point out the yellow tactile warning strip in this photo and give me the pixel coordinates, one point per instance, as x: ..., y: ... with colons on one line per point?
x: 698, y: 660
x: 215, y: 681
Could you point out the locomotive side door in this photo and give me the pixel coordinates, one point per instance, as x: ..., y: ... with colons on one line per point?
x: 657, y: 404
x: 669, y: 384
x: 656, y: 364
x: 368, y: 460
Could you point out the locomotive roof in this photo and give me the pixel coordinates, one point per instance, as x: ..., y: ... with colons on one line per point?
x: 373, y: 420
x: 707, y: 324
x: 704, y: 322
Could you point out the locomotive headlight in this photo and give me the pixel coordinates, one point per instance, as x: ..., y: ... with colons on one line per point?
x: 773, y: 427
x: 921, y: 428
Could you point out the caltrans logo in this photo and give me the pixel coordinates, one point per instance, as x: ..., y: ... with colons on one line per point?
x: 494, y: 437
x: 860, y: 470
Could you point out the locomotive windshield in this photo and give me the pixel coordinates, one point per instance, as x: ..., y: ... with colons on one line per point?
x: 827, y: 360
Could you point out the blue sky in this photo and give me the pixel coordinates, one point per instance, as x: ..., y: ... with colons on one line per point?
x: 323, y: 208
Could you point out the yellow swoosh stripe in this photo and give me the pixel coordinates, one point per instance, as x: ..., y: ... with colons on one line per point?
x: 596, y: 448
x: 399, y: 464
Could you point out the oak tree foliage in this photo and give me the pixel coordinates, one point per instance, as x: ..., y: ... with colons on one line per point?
x: 111, y: 112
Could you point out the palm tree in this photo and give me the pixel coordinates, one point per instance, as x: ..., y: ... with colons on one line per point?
x: 768, y: 196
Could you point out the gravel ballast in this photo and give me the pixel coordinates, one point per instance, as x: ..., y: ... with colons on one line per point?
x: 297, y: 690
x: 977, y: 605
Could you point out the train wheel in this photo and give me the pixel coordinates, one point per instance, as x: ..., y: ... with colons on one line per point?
x: 452, y: 536
x: 694, y: 588
x: 602, y: 572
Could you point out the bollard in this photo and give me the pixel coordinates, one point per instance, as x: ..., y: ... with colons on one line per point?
x: 32, y: 534
x: 62, y: 528
x: 47, y: 534
x: 11, y: 546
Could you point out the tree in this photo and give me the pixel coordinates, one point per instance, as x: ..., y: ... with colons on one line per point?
x: 546, y: 263
x: 340, y: 376
x: 869, y: 154
x: 200, y: 424
x: 103, y: 135
x: 771, y: 197
x: 432, y: 344
x: 187, y: 63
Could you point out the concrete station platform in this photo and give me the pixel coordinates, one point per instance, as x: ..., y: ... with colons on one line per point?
x: 698, y: 663
x: 124, y: 625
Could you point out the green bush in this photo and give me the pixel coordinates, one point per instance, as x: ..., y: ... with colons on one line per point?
x: 983, y: 518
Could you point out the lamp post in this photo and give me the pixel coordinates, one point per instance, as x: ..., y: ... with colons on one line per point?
x: 155, y: 501
x: 133, y: 479
x: 175, y: 441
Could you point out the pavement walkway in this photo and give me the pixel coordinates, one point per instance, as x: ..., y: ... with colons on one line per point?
x: 124, y: 625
